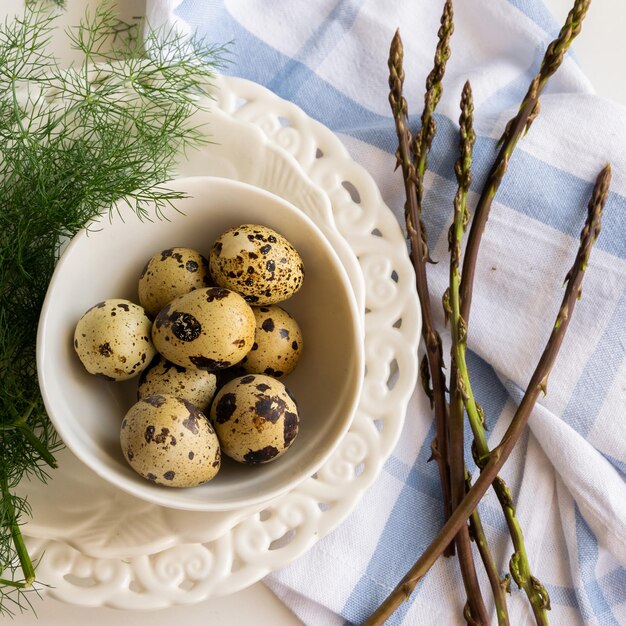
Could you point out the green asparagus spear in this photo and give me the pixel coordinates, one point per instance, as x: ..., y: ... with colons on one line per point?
x: 459, y: 383
x: 414, y: 227
x: 538, y: 383
x: 476, y: 608
x: 424, y: 137
x: 520, y: 124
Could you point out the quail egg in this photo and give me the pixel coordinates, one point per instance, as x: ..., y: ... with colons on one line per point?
x: 277, y: 343
x: 169, y: 274
x: 255, y: 418
x: 256, y: 262
x: 170, y: 442
x: 112, y: 339
x: 163, y: 377
x: 207, y: 328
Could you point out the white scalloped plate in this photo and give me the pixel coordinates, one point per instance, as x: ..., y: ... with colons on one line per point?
x: 101, y: 547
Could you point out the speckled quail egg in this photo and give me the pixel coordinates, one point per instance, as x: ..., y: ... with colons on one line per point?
x: 169, y: 274
x: 112, y: 339
x: 170, y: 442
x: 255, y: 418
x: 163, y: 377
x: 207, y: 328
x: 256, y: 262
x: 277, y: 343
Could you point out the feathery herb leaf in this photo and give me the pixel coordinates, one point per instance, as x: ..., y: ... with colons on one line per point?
x: 73, y: 141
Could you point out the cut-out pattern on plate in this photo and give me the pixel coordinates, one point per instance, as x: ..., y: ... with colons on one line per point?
x: 182, y: 557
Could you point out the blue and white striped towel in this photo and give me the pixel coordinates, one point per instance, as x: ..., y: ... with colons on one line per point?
x: 568, y: 474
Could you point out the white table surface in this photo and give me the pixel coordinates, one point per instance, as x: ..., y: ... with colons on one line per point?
x: 599, y: 50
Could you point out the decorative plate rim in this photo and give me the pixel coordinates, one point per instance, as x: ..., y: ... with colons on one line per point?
x: 283, y: 529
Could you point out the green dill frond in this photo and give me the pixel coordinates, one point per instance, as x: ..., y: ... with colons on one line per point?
x: 73, y: 142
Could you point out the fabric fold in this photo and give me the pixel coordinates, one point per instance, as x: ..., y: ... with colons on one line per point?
x: 330, y: 58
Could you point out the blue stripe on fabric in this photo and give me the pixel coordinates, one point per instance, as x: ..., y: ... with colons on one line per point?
x: 539, y: 13
x: 219, y: 27
x: 561, y: 596
x: 296, y: 72
x: 508, y: 97
x: 488, y: 389
x: 558, y: 201
x: 423, y: 481
x: 620, y: 466
x: 614, y: 586
x: 415, y: 518
x: 428, y: 484
x: 599, y: 373
x: 592, y: 601
x: 314, y: 95
x: 492, y: 518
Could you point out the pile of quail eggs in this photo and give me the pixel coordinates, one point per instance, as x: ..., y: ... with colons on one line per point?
x: 209, y: 345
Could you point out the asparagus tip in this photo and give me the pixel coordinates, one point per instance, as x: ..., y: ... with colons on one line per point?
x: 603, y: 182
x: 467, y: 98
x: 396, y: 43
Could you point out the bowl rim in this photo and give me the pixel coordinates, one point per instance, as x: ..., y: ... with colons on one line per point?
x: 162, y: 497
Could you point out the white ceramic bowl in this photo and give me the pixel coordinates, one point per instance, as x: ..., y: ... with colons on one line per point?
x: 106, y: 263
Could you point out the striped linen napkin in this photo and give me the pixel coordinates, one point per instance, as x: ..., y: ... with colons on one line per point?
x: 568, y: 473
